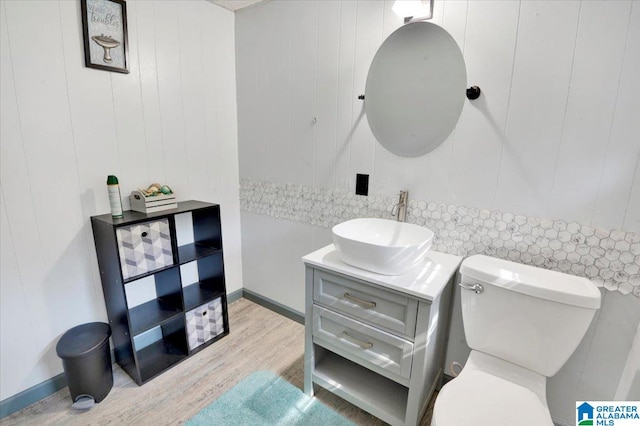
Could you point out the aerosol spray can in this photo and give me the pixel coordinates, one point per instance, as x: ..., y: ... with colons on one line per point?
x: 115, y: 202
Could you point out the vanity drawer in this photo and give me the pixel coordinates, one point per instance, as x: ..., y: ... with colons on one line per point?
x: 363, y: 344
x: 391, y: 311
x: 144, y: 247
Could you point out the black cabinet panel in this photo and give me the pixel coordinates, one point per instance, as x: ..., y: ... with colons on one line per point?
x: 151, y: 314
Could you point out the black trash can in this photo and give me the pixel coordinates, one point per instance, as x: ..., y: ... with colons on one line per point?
x: 84, y: 351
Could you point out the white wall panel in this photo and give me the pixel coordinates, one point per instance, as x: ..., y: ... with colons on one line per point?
x: 286, y: 243
x: 616, y: 188
x: 192, y: 50
x: 92, y: 116
x: 381, y: 174
x: 145, y: 31
x: 226, y: 161
x: 632, y: 214
x: 346, y: 94
x: 275, y: 248
x: 438, y: 12
x: 170, y: 91
x: 303, y: 46
x: 391, y: 21
x: 302, y: 236
x: 254, y: 228
x: 129, y: 114
x: 454, y: 20
x: 18, y: 343
x: 537, y: 105
x: 326, y: 94
x: 489, y: 46
x: 368, y: 37
x: 275, y: 120
x: 590, y: 107
x: 21, y: 248
x: 247, y: 61
x: 262, y: 120
x: 320, y: 238
x: 214, y: 63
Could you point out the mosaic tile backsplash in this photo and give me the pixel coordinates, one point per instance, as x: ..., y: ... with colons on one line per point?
x: 611, y: 259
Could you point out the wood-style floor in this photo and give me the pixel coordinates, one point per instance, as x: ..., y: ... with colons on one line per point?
x: 259, y: 340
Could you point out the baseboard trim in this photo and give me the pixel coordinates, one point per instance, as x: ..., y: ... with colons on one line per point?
x: 274, y: 306
x: 34, y: 394
x: 233, y: 296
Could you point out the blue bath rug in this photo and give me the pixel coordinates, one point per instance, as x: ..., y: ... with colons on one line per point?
x: 266, y: 399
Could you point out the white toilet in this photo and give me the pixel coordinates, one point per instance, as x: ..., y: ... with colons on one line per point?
x: 522, y: 324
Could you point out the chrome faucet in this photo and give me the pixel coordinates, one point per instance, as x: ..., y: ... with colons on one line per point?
x: 400, y: 209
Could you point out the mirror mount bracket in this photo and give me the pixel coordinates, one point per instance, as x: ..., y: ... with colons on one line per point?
x: 473, y: 93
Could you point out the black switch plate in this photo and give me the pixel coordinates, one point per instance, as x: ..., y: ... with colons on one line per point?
x: 362, y: 184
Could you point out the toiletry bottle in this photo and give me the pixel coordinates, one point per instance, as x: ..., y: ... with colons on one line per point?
x: 115, y: 202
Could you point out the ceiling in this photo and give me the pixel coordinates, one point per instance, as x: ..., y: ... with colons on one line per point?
x: 234, y: 5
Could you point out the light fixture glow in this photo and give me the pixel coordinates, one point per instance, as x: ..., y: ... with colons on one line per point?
x: 413, y: 10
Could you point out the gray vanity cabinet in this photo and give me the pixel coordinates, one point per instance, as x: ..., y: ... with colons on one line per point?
x: 377, y: 341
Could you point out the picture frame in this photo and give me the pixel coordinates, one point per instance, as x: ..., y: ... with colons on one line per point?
x: 104, y: 26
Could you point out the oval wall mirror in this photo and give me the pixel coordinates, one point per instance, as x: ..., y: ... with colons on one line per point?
x: 415, y: 89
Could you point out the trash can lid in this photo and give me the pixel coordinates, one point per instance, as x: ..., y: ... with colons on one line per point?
x: 83, y: 339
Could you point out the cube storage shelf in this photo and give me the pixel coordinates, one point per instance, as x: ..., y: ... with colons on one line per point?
x: 154, y: 335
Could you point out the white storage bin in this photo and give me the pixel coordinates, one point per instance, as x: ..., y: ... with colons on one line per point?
x: 204, y: 323
x: 144, y: 247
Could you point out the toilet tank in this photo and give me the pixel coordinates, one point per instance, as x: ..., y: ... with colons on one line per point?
x: 531, y: 317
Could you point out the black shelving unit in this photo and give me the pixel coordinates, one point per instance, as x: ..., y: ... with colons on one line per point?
x: 153, y: 336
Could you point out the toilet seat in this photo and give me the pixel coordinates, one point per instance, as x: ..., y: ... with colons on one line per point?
x: 482, y: 399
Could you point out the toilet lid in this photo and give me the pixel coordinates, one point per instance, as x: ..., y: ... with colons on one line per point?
x: 479, y: 399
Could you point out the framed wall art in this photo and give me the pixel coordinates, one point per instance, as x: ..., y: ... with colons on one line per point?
x: 104, y: 24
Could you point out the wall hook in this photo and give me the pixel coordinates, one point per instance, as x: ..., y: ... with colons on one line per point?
x: 473, y: 92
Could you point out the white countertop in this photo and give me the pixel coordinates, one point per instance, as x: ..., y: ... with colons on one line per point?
x: 425, y: 281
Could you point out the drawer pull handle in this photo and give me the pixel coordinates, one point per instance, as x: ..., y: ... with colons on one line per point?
x: 363, y: 345
x: 363, y: 303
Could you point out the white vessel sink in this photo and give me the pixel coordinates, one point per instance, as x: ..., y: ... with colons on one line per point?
x: 382, y: 246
